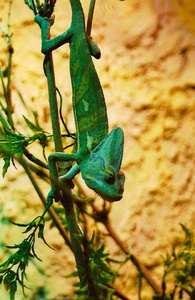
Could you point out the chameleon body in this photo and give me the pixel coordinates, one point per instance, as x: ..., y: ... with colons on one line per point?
x: 99, y: 154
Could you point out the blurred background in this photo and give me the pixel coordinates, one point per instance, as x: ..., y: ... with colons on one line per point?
x: 147, y: 71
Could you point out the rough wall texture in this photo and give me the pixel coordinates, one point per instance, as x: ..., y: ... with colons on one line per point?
x: 147, y: 71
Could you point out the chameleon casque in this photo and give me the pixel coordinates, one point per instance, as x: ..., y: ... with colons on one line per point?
x: 99, y: 154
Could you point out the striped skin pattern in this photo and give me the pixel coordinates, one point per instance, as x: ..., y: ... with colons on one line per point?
x: 99, y: 154
x: 88, y: 99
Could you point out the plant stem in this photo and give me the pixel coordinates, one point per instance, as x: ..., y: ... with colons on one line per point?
x: 142, y: 269
x: 67, y: 200
x: 90, y: 17
x: 51, y: 211
x: 7, y: 90
x: 10, y: 51
x: 104, y: 219
x: 5, y: 151
x: 53, y: 104
x: 34, y: 159
x: 118, y: 293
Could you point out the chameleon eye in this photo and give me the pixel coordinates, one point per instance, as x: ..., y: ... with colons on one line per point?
x: 109, y: 176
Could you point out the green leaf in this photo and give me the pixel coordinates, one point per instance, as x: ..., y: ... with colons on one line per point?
x: 30, y: 226
x: 41, y: 235
x: 12, y: 247
x: 13, y: 289
x: 6, y: 282
x: 32, y: 126
x: 4, y: 266
x: 33, y: 254
x: 92, y: 238
x: 20, y: 224
x: 11, y: 276
x: 36, y: 119
x: 83, y: 290
x: 186, y: 230
x: 6, y: 165
x: 23, y: 265
x: 104, y: 287
x: 72, y: 275
x: 80, y: 238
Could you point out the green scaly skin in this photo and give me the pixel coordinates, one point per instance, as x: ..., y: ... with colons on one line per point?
x: 99, y: 154
x: 88, y: 99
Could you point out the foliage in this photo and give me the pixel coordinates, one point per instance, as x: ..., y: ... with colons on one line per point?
x: 96, y: 274
x: 14, y: 144
x: 97, y: 268
x: 13, y: 270
x: 17, y: 143
x: 179, y: 267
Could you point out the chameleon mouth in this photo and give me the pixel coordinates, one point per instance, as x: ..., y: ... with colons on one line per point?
x: 110, y: 198
x: 116, y: 198
x: 104, y: 192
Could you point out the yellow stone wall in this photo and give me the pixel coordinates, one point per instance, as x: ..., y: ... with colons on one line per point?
x: 147, y: 72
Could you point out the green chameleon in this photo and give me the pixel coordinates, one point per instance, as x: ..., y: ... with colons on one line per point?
x: 99, y: 154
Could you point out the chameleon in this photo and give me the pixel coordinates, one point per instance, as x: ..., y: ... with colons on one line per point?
x: 99, y: 153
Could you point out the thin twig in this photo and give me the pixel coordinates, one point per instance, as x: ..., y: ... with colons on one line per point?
x: 10, y: 51
x: 67, y: 199
x: 7, y: 89
x: 34, y: 159
x: 90, y: 17
x: 51, y: 211
x: 118, y: 293
x: 142, y: 269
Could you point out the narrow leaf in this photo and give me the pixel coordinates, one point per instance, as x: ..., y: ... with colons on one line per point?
x: 13, y: 289
x: 41, y: 236
x: 10, y: 276
x: 6, y: 165
x: 20, y: 224
x: 33, y: 127
x: 74, y: 274
x: 34, y: 253
x: 6, y: 283
x: 104, y: 287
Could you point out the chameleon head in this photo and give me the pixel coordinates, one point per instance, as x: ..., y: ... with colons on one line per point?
x: 101, y: 171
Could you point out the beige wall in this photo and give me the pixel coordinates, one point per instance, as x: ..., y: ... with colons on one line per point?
x: 147, y: 71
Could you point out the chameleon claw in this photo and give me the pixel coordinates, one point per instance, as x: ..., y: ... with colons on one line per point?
x: 39, y: 20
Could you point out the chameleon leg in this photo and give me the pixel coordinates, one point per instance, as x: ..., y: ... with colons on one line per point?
x: 47, y: 44
x: 53, y: 170
x: 93, y: 48
x: 72, y: 172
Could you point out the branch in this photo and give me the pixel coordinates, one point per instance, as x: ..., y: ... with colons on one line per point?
x: 51, y: 211
x: 142, y: 269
